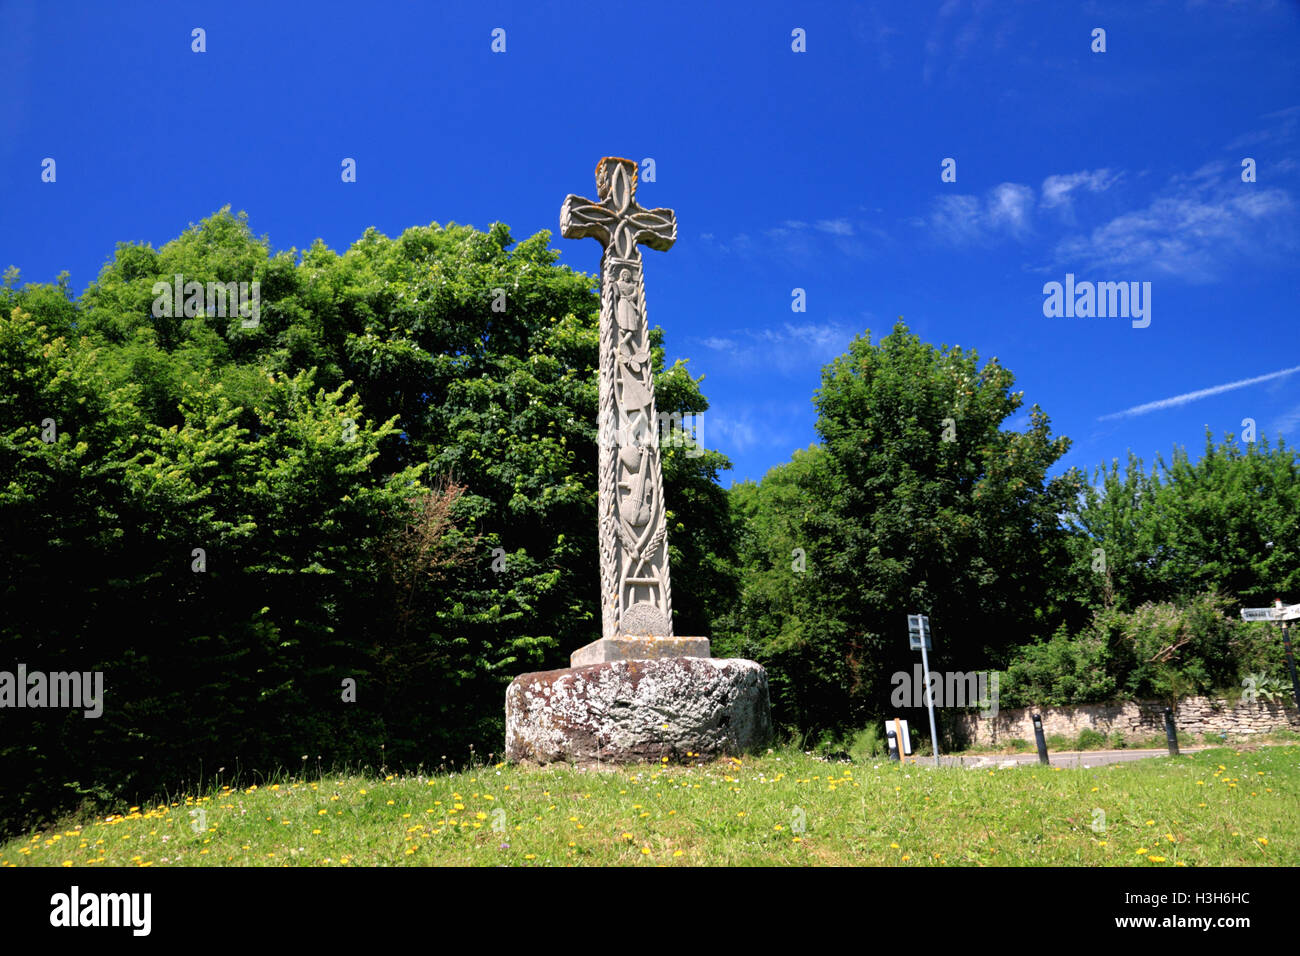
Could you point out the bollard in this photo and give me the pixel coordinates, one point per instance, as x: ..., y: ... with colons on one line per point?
x: 1171, y: 732
x: 1040, y: 740
x: 893, y: 744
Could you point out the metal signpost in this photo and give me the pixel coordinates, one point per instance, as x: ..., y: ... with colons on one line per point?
x: 1279, y: 614
x: 918, y: 631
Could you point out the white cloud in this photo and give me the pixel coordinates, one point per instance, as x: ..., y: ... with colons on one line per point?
x: 1189, y: 233
x: 1197, y: 395
x: 1288, y: 422
x: 836, y: 227
x: 727, y: 434
x: 957, y: 219
x: 790, y: 348
x: 720, y: 344
x: 740, y: 427
x: 1009, y: 207
x: 1006, y: 209
x: 795, y: 240
x: 1056, y: 189
x: 816, y: 336
x: 1280, y: 125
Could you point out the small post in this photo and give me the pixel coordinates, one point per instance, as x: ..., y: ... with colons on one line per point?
x: 894, y: 752
x: 1040, y: 740
x: 1290, y: 661
x: 898, y: 739
x: 1171, y: 732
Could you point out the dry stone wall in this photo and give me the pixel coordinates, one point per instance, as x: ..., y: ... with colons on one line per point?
x: 1132, y: 719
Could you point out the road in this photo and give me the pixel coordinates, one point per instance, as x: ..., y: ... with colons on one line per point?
x: 1065, y: 758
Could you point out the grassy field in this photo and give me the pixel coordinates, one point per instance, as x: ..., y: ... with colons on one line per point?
x: 1220, y: 807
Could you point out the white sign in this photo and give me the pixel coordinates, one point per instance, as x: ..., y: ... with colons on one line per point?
x: 907, y: 736
x: 1290, y: 613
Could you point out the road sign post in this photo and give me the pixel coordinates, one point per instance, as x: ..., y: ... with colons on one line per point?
x: 1283, y: 612
x: 918, y: 631
x: 1280, y: 615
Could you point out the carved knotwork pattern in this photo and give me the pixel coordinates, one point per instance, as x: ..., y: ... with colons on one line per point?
x: 634, y: 580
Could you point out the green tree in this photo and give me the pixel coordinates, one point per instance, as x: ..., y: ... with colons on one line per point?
x: 1227, y: 522
x: 349, y: 469
x: 917, y: 501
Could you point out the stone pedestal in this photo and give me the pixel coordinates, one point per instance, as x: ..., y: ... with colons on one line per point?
x: 624, y: 711
x: 631, y: 648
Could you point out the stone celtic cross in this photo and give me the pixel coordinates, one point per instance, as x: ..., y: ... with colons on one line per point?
x: 636, y: 597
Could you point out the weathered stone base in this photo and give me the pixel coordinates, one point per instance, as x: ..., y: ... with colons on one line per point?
x: 624, y: 648
x: 629, y: 711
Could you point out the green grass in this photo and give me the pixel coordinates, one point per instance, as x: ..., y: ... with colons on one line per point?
x: 1219, y: 807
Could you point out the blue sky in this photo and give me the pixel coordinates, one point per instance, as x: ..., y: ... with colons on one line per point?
x: 817, y: 170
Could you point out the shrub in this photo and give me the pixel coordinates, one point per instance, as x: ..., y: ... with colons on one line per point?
x: 1162, y: 650
x: 1062, y: 670
x: 1090, y: 739
x: 868, y: 743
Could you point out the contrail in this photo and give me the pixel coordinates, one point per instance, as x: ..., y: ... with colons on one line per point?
x: 1193, y: 396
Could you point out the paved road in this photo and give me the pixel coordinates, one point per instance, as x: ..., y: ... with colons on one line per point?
x: 1066, y: 758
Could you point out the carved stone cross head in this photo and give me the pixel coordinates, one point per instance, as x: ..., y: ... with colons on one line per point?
x: 616, y: 221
